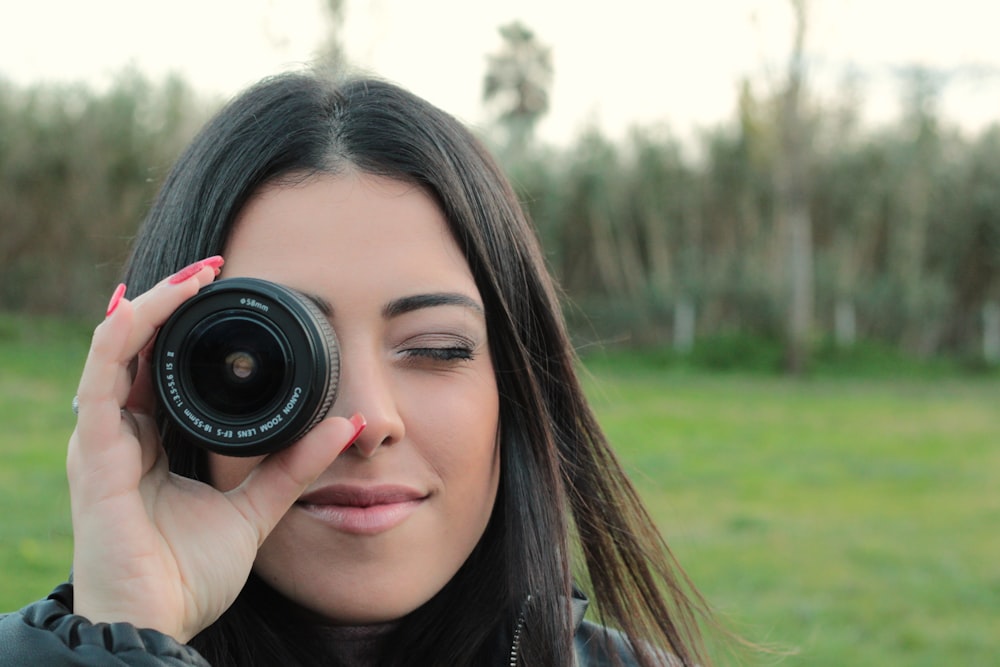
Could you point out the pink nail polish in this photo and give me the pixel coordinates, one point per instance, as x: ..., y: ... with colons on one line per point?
x: 116, y: 299
x: 215, y: 262
x: 359, y: 423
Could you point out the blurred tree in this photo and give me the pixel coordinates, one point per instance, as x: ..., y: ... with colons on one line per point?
x: 330, y: 54
x: 739, y: 256
x: 991, y: 333
x: 845, y: 201
x: 964, y: 248
x: 597, y: 256
x: 77, y: 171
x: 660, y: 208
x: 517, y: 83
x: 793, y: 201
x: 849, y: 195
x: 919, y: 168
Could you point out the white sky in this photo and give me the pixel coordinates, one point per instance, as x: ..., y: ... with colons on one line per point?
x: 616, y: 63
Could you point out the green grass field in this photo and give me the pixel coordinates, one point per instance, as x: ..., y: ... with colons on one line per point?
x: 854, y: 521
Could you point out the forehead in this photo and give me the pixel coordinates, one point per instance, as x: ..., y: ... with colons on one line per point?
x: 334, y: 230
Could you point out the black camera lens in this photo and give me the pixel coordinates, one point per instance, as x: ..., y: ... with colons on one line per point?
x: 246, y: 367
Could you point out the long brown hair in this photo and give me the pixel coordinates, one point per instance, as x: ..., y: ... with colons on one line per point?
x: 559, y: 476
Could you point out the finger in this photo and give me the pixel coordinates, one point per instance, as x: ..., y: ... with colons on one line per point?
x: 155, y: 306
x: 104, y: 374
x: 145, y: 430
x: 272, y: 487
x: 106, y: 381
x: 107, y: 453
x: 141, y: 398
x: 128, y: 424
x: 145, y: 314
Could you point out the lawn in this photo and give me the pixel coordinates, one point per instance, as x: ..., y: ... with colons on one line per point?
x: 40, y: 364
x: 854, y: 521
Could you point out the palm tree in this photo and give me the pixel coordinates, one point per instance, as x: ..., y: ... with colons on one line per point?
x: 517, y: 82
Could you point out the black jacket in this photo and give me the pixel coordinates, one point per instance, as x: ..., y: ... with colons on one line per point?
x: 48, y: 633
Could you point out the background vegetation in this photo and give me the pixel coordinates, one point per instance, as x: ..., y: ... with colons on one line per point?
x: 78, y: 169
x: 793, y: 223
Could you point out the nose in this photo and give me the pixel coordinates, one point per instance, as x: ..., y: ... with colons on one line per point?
x: 366, y: 386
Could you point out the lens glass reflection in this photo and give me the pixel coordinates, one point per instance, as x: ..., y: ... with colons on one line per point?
x: 237, y: 366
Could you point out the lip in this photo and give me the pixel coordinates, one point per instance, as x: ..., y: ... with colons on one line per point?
x: 362, y: 510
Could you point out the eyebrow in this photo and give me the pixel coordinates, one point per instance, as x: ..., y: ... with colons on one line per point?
x: 408, y: 304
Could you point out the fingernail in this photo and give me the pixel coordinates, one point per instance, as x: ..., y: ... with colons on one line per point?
x: 215, y: 262
x: 116, y: 299
x: 359, y: 423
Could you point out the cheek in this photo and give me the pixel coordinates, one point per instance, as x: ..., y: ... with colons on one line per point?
x: 228, y: 472
x: 457, y: 434
x: 455, y: 421
x: 469, y: 472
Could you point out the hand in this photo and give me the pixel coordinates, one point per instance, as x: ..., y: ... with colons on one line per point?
x: 152, y: 548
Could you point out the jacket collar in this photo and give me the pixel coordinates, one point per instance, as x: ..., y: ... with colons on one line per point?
x: 578, y: 603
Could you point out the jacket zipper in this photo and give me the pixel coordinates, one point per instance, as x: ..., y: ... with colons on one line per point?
x: 515, y: 646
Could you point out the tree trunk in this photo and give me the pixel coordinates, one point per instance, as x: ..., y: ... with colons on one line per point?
x: 794, y: 206
x: 684, y: 325
x: 845, y: 327
x: 991, y: 332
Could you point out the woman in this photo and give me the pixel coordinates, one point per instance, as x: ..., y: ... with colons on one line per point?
x: 457, y: 491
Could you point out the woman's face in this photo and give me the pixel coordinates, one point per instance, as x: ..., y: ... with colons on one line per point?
x: 395, y: 516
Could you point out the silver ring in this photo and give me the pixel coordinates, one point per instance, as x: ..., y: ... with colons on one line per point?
x: 126, y: 415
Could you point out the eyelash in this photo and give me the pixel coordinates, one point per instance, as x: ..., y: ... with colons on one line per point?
x: 457, y: 353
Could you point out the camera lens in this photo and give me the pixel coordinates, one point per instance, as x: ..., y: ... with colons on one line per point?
x: 246, y: 367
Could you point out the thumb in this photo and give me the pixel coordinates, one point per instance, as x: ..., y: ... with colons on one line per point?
x: 267, y: 493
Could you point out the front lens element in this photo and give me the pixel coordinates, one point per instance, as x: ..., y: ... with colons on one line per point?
x: 238, y: 366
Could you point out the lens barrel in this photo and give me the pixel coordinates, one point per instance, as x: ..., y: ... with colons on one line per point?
x: 246, y: 367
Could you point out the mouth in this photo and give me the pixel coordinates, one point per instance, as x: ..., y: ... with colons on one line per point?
x: 360, y: 510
